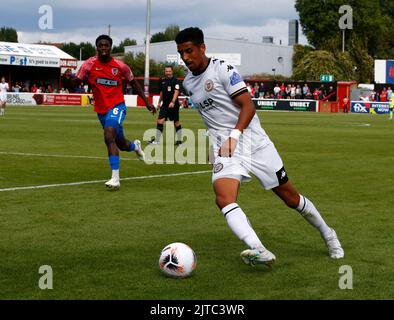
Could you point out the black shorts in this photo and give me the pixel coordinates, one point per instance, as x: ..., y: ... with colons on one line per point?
x: 167, y: 113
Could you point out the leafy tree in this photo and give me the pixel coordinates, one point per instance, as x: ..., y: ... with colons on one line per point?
x: 8, y: 34
x: 371, y: 37
x: 373, y: 24
x: 156, y: 69
x: 158, y: 37
x: 124, y: 43
x: 171, y: 31
x: 169, y: 34
x: 320, y: 62
x: 73, y: 49
x: 88, y: 50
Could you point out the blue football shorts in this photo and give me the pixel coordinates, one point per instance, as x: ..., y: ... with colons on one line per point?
x: 114, y: 118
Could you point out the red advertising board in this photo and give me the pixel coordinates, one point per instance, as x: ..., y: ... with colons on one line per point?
x: 58, y: 99
x: 68, y: 63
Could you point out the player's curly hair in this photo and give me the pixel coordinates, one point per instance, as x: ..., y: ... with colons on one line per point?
x: 104, y: 37
x: 192, y: 34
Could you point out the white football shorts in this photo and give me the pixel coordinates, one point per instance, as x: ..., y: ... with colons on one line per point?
x: 265, y: 164
x: 3, y: 97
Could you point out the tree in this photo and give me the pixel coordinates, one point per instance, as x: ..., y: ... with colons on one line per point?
x: 373, y: 24
x: 319, y: 62
x: 371, y: 37
x: 169, y: 34
x: 156, y: 69
x: 158, y: 37
x: 8, y: 34
x: 74, y: 49
x: 122, y: 44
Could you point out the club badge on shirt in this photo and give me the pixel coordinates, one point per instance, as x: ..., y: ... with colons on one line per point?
x: 208, y: 85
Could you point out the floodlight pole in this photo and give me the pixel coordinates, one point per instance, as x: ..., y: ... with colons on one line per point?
x: 147, y: 45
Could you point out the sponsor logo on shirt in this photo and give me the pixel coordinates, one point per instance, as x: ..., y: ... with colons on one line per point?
x: 235, y: 78
x: 107, y: 82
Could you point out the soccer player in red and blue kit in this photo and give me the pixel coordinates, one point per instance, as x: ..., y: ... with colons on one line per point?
x: 105, y: 75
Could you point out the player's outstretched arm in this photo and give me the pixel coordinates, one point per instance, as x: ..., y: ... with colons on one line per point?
x: 137, y: 88
x: 248, y: 110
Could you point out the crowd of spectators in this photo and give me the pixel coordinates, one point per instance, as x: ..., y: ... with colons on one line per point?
x: 291, y: 91
x: 40, y: 87
x: 385, y: 95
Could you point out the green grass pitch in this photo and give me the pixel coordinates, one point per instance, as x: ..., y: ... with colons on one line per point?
x: 105, y: 245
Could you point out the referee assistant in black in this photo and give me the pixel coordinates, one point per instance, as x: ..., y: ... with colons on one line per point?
x: 169, y: 92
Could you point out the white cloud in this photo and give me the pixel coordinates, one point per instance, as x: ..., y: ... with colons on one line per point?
x: 83, y: 20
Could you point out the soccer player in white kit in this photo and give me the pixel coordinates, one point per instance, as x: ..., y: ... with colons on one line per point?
x: 240, y: 147
x: 3, y: 95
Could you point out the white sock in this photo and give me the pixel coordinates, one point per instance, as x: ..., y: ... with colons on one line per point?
x: 179, y: 135
x: 115, y: 174
x: 2, y: 111
x: 239, y: 224
x: 309, y: 212
x: 158, y: 135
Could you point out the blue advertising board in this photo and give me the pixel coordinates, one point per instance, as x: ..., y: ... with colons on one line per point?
x: 390, y: 71
x: 370, y: 107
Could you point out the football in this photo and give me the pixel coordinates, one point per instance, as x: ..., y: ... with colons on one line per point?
x: 177, y: 260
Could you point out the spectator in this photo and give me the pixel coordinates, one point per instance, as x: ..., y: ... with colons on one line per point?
x: 377, y: 96
x: 306, y: 91
x: 345, y: 104
x: 292, y: 91
x: 249, y: 87
x: 322, y: 92
x: 383, y: 95
x: 298, y: 92
x: 389, y: 94
x: 256, y: 90
x: 287, y: 91
x: 34, y: 88
x: 261, y: 90
x: 372, y: 96
x: 276, y: 90
x: 332, y: 94
x: 316, y: 94
x: 16, y: 87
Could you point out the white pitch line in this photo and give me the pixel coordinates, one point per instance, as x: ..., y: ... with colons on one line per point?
x: 100, y: 181
x: 59, y: 156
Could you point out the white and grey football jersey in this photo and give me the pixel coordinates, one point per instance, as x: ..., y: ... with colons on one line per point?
x: 4, y: 87
x: 3, y: 91
x: 212, y: 92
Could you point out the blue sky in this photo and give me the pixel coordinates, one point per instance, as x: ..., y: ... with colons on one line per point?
x: 83, y: 20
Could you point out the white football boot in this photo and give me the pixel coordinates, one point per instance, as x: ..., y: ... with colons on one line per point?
x: 335, y: 250
x: 138, y: 150
x: 256, y: 256
x: 113, y: 184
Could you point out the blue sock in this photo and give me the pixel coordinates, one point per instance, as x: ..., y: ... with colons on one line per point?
x: 132, y: 146
x: 114, y: 162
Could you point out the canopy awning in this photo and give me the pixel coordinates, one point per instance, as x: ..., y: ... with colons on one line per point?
x: 35, y: 55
